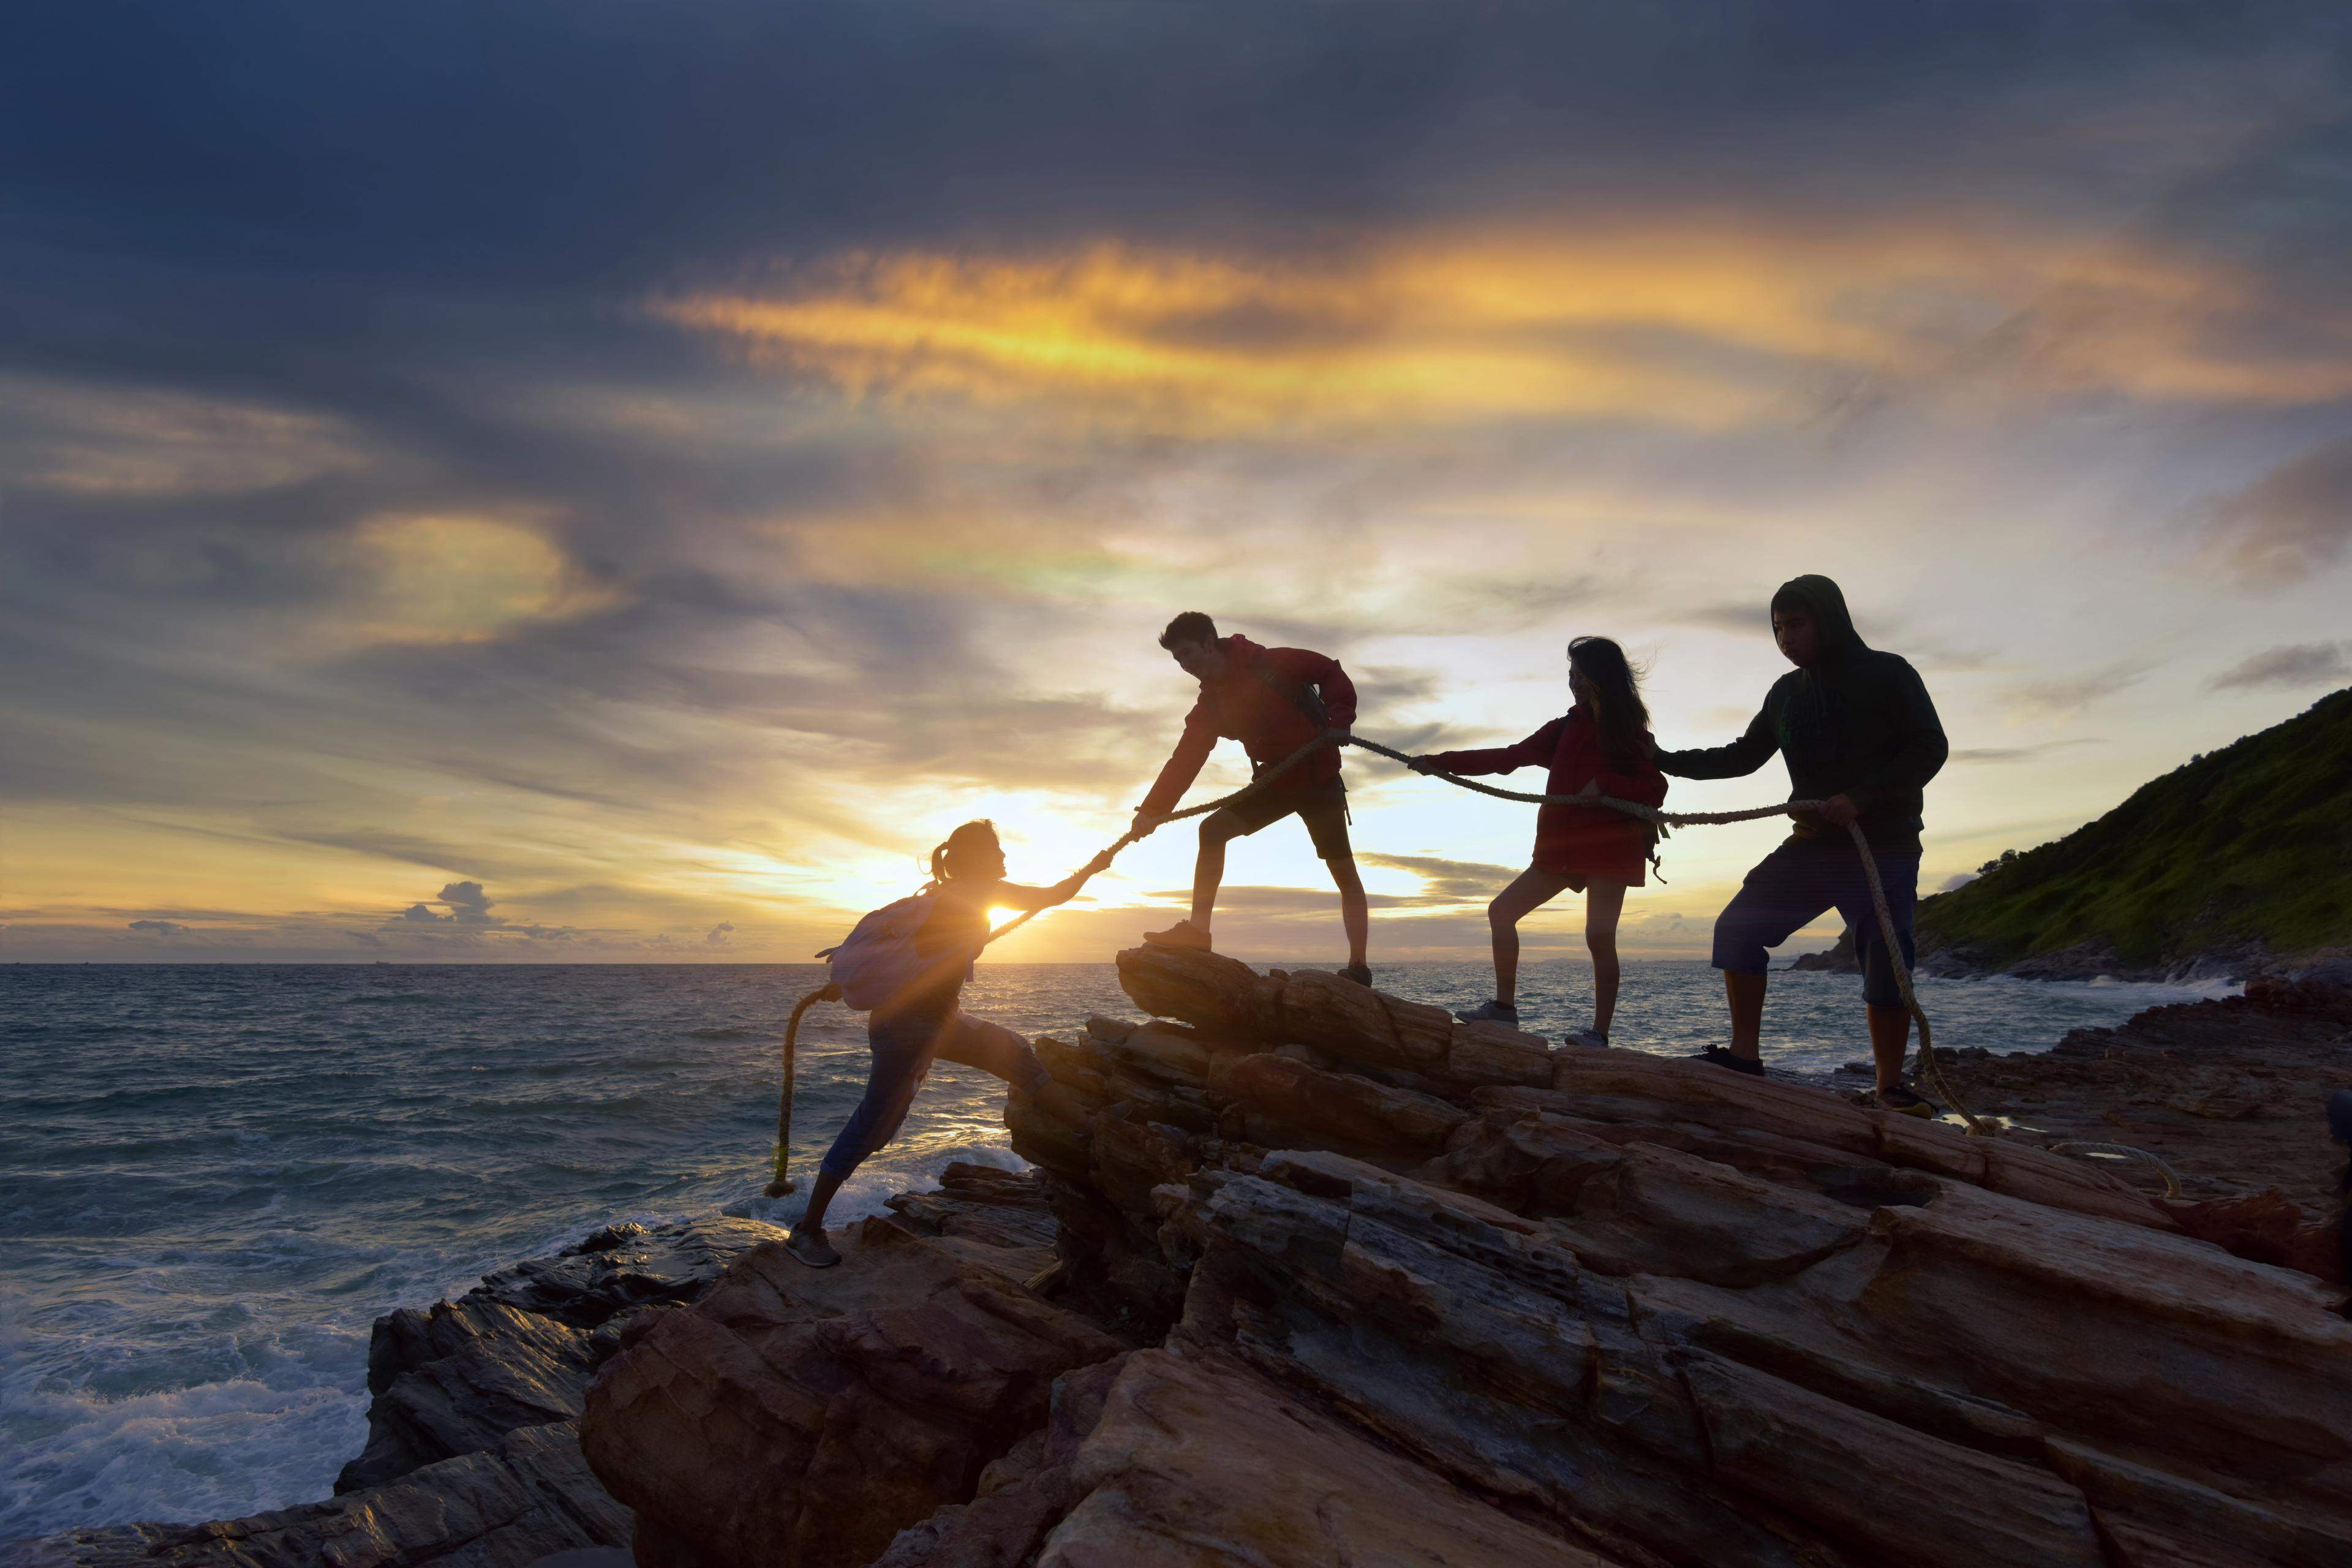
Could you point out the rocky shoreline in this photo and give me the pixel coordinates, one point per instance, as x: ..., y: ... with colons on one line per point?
x: 2084, y: 961
x: 1322, y: 1275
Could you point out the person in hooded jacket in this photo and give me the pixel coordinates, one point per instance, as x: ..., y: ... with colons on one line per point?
x: 1273, y: 701
x: 1860, y: 735
x: 1600, y: 746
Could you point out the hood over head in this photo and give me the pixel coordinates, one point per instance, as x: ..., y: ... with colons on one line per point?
x: 1827, y: 602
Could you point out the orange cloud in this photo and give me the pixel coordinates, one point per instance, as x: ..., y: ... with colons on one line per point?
x: 1699, y: 321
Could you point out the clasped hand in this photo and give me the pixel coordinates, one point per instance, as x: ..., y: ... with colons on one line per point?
x: 1838, y: 811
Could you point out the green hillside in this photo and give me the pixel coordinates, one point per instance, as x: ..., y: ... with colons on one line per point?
x: 2250, y: 844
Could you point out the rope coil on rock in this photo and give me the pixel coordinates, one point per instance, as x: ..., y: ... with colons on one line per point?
x: 2171, y: 1181
x: 1929, y: 1067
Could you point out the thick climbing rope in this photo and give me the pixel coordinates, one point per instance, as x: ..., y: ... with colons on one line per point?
x: 1928, y: 1067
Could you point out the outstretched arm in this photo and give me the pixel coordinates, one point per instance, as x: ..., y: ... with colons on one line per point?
x: 1737, y: 760
x: 1017, y: 896
x: 1536, y: 748
x: 1184, y: 765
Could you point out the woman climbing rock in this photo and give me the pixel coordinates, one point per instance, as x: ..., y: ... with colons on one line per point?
x: 923, y: 1022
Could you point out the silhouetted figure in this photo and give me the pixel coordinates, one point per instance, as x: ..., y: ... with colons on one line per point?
x: 923, y: 1022
x: 1601, y: 746
x: 1860, y: 735
x: 1273, y: 701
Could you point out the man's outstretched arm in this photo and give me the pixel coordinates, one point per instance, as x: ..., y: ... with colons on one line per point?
x: 1184, y: 765
x: 1737, y: 760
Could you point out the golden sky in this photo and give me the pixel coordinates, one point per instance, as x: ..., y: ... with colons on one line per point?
x: 630, y: 547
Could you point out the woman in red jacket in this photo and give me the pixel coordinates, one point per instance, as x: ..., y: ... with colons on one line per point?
x: 1602, y: 746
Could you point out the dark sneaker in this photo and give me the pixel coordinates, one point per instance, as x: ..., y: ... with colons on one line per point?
x: 1184, y: 933
x: 1591, y: 1039
x: 1362, y: 974
x: 811, y: 1248
x: 1721, y: 1056
x: 1904, y: 1100
x: 1491, y: 1012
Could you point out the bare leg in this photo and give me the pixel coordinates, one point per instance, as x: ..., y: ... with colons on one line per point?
x: 1890, y: 1041
x: 1208, y: 872
x: 1355, y: 913
x: 1745, y: 993
x: 1530, y: 890
x: 1604, y: 902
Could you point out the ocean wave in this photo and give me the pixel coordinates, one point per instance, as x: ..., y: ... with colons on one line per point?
x: 734, y: 1032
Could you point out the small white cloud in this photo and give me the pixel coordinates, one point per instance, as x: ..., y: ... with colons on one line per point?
x: 719, y: 934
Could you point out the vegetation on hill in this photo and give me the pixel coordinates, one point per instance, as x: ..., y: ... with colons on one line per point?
x: 2248, y: 845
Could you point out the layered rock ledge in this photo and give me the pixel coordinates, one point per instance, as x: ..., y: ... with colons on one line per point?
x: 1339, y: 1280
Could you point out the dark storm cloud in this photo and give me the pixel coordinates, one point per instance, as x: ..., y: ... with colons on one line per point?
x: 514, y: 143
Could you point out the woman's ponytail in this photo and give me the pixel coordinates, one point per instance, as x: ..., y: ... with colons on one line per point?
x: 972, y: 835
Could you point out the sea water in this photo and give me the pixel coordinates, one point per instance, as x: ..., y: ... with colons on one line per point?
x: 214, y: 1178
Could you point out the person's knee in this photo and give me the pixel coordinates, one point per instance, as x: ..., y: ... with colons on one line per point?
x: 1739, y: 947
x: 1602, y: 943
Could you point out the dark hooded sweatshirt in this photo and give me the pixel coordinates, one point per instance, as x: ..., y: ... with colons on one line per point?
x: 1858, y: 724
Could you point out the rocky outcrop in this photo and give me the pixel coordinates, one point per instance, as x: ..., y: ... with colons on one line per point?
x: 806, y: 1416
x: 517, y: 1349
x: 473, y: 1455
x: 1340, y: 1280
x: 525, y: 1498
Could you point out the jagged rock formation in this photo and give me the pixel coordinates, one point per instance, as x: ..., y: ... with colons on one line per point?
x: 473, y: 1457
x: 1341, y: 1280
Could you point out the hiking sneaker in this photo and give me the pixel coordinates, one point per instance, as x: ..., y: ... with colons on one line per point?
x: 1904, y: 1100
x: 1184, y: 933
x: 809, y: 1245
x: 1591, y: 1039
x: 1491, y: 1012
x: 1362, y: 974
x: 1721, y: 1056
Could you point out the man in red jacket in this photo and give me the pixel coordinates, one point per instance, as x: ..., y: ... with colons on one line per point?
x: 1273, y: 701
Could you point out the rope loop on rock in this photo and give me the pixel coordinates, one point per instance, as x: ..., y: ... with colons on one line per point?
x: 2171, y: 1181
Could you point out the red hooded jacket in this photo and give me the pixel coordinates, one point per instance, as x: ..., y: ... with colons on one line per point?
x: 1259, y: 701
x: 1578, y: 840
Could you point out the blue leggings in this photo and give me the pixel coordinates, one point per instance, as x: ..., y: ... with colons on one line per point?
x: 1796, y: 884
x: 904, y: 1046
